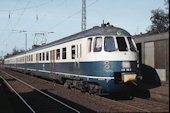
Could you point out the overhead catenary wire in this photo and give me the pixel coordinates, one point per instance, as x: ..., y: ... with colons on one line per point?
x: 22, y: 13
x: 9, y: 20
x: 31, y: 7
x: 72, y: 15
x: 14, y: 26
x: 42, y: 17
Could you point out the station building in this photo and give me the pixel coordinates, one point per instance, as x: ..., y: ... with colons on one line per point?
x: 154, y: 52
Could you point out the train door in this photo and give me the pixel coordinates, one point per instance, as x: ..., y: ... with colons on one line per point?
x: 25, y: 64
x: 78, y: 55
x: 52, y: 61
x: 37, y: 63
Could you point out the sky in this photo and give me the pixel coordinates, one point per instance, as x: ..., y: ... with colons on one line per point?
x: 49, y: 20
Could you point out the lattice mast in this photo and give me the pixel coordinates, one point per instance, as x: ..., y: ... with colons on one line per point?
x: 83, y: 23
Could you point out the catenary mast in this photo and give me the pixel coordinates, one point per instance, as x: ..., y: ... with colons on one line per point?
x: 83, y: 23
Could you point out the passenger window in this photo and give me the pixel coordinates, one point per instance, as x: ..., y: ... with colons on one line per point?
x: 47, y: 55
x: 40, y: 56
x: 58, y: 54
x: 109, y: 44
x: 89, y: 42
x: 121, y: 43
x: 98, y: 44
x: 132, y: 47
x: 73, y: 52
x: 64, y: 53
x: 43, y: 56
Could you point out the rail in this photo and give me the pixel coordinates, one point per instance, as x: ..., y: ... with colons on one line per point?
x: 56, y: 100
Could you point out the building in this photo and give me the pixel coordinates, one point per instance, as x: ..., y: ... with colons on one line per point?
x: 154, y: 52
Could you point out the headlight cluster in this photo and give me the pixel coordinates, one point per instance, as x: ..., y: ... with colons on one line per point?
x: 107, y: 66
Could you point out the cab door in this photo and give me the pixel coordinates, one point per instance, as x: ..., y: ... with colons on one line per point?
x: 78, y: 55
x: 52, y: 62
x: 25, y: 64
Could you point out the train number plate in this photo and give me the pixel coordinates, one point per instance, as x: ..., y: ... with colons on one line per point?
x: 129, y: 77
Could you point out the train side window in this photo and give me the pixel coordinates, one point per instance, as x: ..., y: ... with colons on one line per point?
x: 121, y: 43
x: 98, y: 44
x: 47, y: 55
x: 132, y: 47
x: 109, y: 44
x: 43, y: 55
x: 40, y: 57
x: 73, y: 51
x: 64, y: 53
x: 89, y: 44
x: 58, y: 54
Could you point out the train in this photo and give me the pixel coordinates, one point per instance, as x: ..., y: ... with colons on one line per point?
x: 103, y: 59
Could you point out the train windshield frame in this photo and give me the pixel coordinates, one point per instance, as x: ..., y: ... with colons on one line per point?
x: 121, y: 42
x: 109, y: 44
x: 98, y: 44
x: 132, y: 47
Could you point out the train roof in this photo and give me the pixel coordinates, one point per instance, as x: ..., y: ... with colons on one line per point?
x: 104, y: 29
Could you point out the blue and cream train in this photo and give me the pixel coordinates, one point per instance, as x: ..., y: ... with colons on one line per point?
x: 101, y: 59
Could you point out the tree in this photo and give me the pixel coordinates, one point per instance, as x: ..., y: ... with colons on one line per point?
x: 15, y: 51
x: 160, y: 20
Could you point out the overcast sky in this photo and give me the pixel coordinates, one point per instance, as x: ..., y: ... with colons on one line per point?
x: 63, y: 17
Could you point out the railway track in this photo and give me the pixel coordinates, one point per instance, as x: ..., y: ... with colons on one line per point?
x: 94, y: 102
x: 35, y: 99
x: 151, y: 106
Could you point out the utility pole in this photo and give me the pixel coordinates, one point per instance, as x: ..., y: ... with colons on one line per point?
x: 25, y: 41
x: 83, y: 22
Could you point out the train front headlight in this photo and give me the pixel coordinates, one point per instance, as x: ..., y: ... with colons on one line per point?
x: 125, y: 64
x: 107, y: 66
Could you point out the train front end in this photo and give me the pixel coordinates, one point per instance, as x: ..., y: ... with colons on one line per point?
x: 121, y: 63
x: 115, y: 56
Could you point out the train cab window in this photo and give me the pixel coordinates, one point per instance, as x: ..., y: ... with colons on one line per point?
x: 64, y: 53
x: 47, y: 55
x: 58, y: 54
x: 43, y: 56
x: 109, y: 44
x: 73, y: 52
x: 132, y: 47
x: 98, y: 44
x: 121, y: 43
x: 89, y: 43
